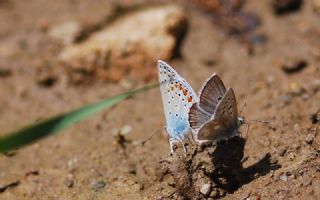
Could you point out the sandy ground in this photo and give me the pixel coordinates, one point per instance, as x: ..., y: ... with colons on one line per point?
x: 86, y: 161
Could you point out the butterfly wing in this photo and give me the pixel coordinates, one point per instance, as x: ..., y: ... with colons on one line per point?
x: 215, y: 130
x: 224, y: 123
x: 177, y: 98
x: 227, y: 108
x: 211, y: 94
x: 197, y: 117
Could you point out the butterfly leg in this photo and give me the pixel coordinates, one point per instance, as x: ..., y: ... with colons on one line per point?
x: 183, y: 145
x: 192, y: 138
x: 171, y: 142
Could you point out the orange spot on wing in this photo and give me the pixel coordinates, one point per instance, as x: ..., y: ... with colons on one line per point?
x: 189, y: 98
x: 185, y: 92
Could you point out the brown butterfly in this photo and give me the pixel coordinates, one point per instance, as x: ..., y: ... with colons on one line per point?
x: 215, y: 116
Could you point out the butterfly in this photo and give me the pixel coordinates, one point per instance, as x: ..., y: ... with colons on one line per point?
x: 215, y: 116
x: 177, y: 98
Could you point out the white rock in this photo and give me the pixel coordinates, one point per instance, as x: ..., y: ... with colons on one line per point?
x: 135, y: 40
x: 205, y: 189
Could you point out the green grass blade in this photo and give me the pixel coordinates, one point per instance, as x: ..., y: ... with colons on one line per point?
x: 50, y: 126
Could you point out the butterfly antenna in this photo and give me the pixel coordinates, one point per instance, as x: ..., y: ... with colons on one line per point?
x: 261, y: 121
x: 247, y: 132
x: 149, y: 138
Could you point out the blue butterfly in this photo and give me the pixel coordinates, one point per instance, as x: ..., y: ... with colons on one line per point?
x: 177, y: 97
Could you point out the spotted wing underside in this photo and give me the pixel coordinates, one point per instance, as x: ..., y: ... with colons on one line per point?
x: 177, y: 97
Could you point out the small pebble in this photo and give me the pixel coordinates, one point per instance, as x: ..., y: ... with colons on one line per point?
x: 315, y: 86
x: 296, y: 89
x: 125, y: 130
x: 309, y: 139
x: 292, y: 156
x: 214, y: 193
x: 222, y: 192
x: 273, y: 160
x: 97, y: 185
x: 271, y: 174
x: 72, y: 164
x: 205, y: 189
x: 223, y: 181
x: 283, y: 177
x: 69, y: 181
x: 301, y: 172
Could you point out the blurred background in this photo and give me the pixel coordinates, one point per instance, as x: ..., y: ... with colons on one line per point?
x: 59, y: 55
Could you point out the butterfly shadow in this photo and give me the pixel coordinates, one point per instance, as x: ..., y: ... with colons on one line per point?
x: 229, y: 172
